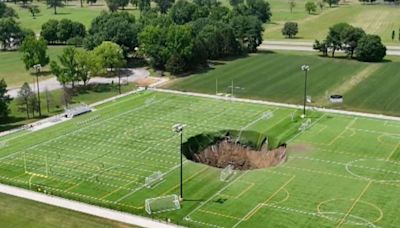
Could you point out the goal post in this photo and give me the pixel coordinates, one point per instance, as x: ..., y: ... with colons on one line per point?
x: 36, y: 165
x: 305, y: 125
x: 162, y: 204
x: 153, y: 179
x: 227, y: 173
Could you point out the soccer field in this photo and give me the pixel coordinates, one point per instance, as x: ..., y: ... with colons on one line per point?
x: 342, y: 171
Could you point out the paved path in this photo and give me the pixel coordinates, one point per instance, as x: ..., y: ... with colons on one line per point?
x: 308, y: 46
x: 84, y: 208
x: 130, y: 75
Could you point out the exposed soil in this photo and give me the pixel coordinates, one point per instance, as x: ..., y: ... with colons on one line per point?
x: 299, y: 148
x: 242, y: 157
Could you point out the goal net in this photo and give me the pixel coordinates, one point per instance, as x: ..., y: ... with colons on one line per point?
x: 162, y: 204
x: 227, y: 173
x: 305, y: 125
x: 267, y: 115
x: 153, y: 179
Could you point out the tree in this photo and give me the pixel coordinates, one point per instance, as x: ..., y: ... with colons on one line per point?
x: 334, y: 38
x: 111, y: 56
x: 91, y: 2
x: 49, y: 31
x: 321, y: 46
x: 10, y: 32
x: 24, y: 98
x: 350, y: 37
x: 55, y: 4
x: 179, y: 44
x: 34, y: 53
x: 321, y: 4
x: 370, y: 49
x: 4, y: 99
x: 220, y: 13
x: 164, y: 5
x: 87, y: 65
x: 62, y: 78
x: 331, y: 2
x: 235, y: 3
x: 123, y: 3
x: 292, y: 4
x: 34, y: 9
x: 311, y: 7
x: 248, y: 30
x: 259, y: 8
x: 143, y: 5
x: 68, y: 61
x: 134, y: 3
x: 6, y: 11
x: 113, y: 5
x: 182, y: 12
x: 290, y: 29
x: 119, y: 28
x: 152, y: 45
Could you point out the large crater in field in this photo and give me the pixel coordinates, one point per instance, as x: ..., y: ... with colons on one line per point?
x: 242, y: 149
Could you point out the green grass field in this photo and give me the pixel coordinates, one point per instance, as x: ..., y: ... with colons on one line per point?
x: 375, y: 19
x: 342, y: 171
x: 18, y: 212
x: 12, y: 68
x: 277, y: 77
x: 71, y: 11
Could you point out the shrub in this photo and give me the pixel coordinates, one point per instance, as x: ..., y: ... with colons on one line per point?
x: 290, y: 29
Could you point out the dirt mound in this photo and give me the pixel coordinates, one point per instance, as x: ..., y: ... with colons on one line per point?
x: 242, y: 157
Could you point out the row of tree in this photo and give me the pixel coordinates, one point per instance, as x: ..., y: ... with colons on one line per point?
x: 353, y: 41
x: 63, y: 31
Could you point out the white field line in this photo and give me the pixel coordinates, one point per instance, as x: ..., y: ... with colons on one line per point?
x: 143, y: 186
x: 187, y: 217
x: 84, y: 208
x: 244, y: 100
x: 80, y: 129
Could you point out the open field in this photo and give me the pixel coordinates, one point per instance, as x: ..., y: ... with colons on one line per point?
x: 277, y: 77
x: 72, y: 11
x: 17, y: 212
x: 12, y: 68
x: 273, y: 76
x: 341, y: 172
x: 375, y: 19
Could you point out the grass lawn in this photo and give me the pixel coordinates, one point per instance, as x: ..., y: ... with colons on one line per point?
x: 90, y: 95
x: 71, y: 11
x: 12, y: 68
x: 18, y: 212
x: 273, y: 76
x: 375, y: 19
x: 378, y: 92
x: 342, y: 171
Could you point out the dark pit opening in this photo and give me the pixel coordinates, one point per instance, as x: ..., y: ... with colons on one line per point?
x: 243, y: 150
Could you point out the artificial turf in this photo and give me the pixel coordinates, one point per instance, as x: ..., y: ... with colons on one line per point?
x: 341, y: 171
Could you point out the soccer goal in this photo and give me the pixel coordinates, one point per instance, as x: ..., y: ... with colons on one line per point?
x: 162, y: 204
x: 305, y: 125
x: 267, y: 115
x: 227, y: 173
x: 153, y: 179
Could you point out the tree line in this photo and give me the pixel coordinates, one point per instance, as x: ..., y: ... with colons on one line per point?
x: 353, y: 41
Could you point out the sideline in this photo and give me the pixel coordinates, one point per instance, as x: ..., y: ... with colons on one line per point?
x: 284, y: 105
x: 84, y: 208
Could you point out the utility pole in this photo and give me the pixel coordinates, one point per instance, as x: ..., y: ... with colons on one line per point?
x: 178, y: 128
x: 305, y: 68
x: 38, y: 67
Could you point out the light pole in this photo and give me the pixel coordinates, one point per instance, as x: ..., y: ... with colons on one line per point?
x: 305, y: 68
x: 38, y: 67
x: 178, y: 128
